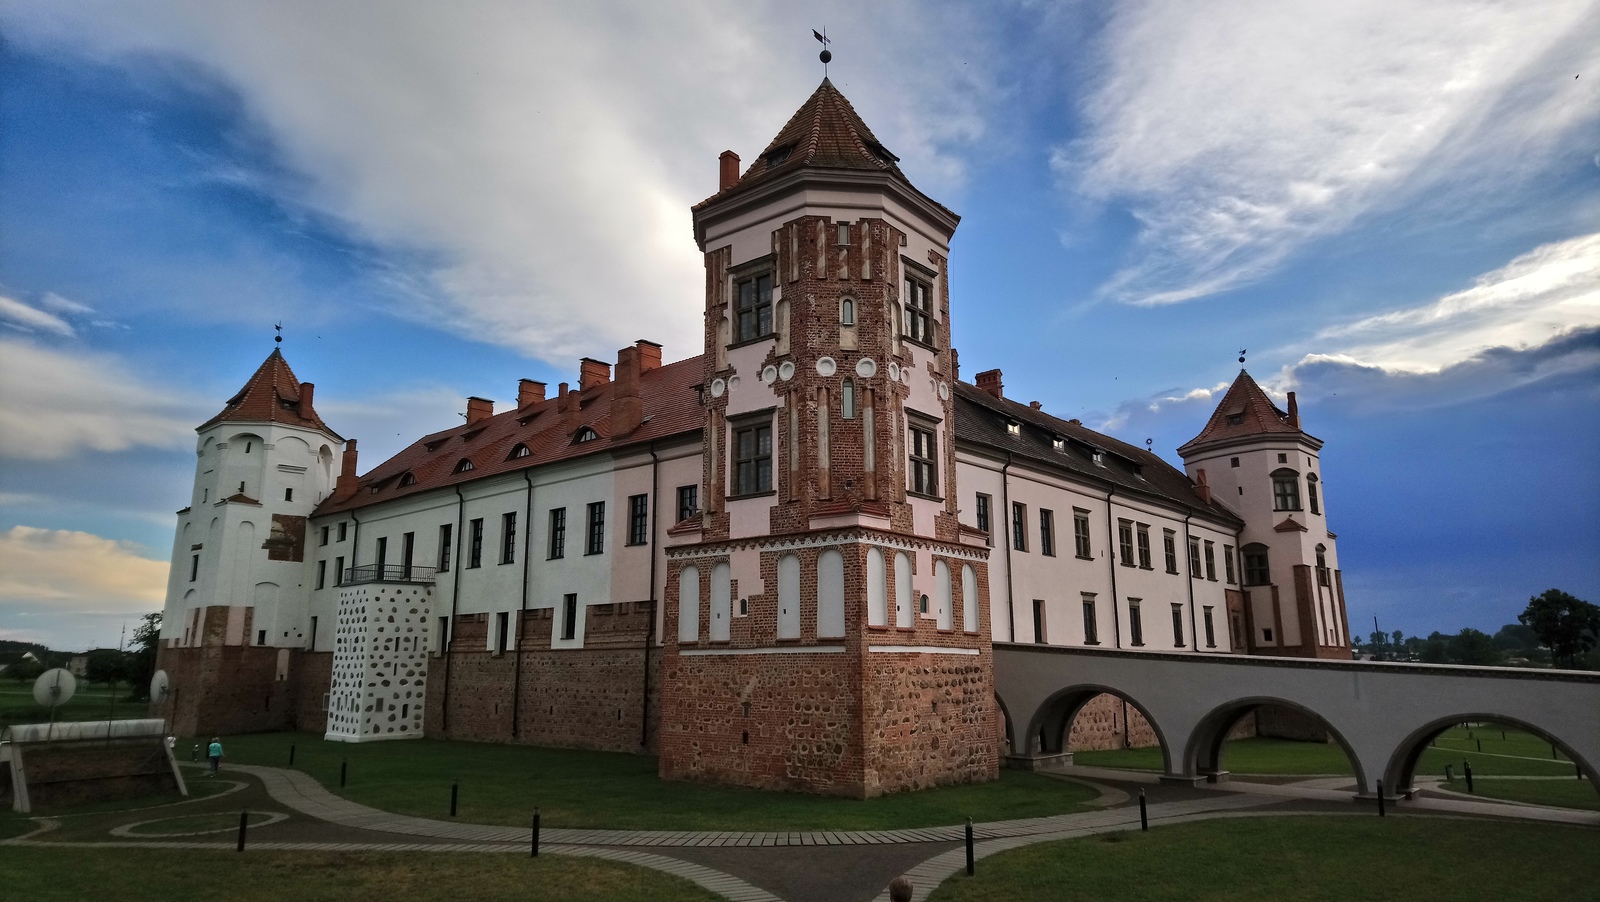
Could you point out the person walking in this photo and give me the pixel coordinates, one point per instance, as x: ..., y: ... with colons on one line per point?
x: 215, y: 754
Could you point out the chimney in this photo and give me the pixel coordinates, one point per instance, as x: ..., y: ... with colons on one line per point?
x: 1294, y: 411
x: 529, y: 391
x: 478, y: 410
x: 592, y: 372
x: 728, y: 171
x: 1036, y: 405
x: 627, y: 407
x: 306, y: 391
x: 568, y: 399
x: 346, y: 485
x: 649, y: 355
x: 989, y: 381
x: 1201, y: 488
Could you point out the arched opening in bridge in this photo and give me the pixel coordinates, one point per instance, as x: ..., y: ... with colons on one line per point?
x: 1100, y: 727
x: 1509, y: 760
x: 1275, y: 739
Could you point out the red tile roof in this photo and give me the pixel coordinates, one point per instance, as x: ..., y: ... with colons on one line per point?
x: 1244, y: 411
x: 671, y: 408
x: 272, y: 395
x: 825, y: 133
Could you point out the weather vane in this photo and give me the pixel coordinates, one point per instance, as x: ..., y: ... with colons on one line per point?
x: 826, y: 55
x: 278, y: 338
x: 1241, y: 356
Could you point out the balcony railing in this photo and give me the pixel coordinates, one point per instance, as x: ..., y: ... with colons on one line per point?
x: 388, y: 573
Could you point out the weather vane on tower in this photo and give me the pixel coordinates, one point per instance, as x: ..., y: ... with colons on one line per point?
x: 278, y: 328
x: 1241, y: 356
x: 826, y: 55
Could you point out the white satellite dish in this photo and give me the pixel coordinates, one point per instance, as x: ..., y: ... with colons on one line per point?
x: 160, y: 688
x: 54, y: 687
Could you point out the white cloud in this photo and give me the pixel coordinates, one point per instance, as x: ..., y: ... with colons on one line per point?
x: 541, y: 157
x: 73, y: 589
x: 31, y: 319
x: 54, y: 404
x: 52, y: 301
x: 1236, y: 132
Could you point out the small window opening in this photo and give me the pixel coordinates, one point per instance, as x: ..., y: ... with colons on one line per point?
x: 463, y: 465
x: 844, y: 233
x: 520, y: 450
x: 847, y: 312
x: 288, y: 494
x: 586, y: 434
x: 408, y: 479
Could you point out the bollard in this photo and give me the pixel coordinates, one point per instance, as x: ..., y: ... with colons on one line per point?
x: 1466, y: 768
x: 194, y: 753
x: 455, y: 789
x: 244, y: 820
x: 1552, y: 751
x: 344, y: 771
x: 1449, y: 773
x: 1381, y: 812
x: 1480, y: 745
x: 1502, y: 735
x: 970, y: 867
x: 1577, y: 771
x: 291, y: 754
x: 535, y: 849
x: 1144, y: 816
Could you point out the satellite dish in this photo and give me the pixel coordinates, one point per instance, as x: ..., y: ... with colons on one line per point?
x: 54, y: 687
x: 160, y: 688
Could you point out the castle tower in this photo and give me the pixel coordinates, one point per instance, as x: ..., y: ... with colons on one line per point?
x: 1258, y: 460
x: 235, y: 593
x: 827, y: 627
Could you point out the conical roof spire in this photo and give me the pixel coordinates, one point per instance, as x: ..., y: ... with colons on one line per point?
x: 1245, y: 410
x: 273, y: 395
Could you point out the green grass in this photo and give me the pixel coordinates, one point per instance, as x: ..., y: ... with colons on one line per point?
x: 1303, y: 858
x: 501, y: 784
x: 158, y: 875
x: 88, y: 703
x: 1569, y: 793
x: 222, y: 821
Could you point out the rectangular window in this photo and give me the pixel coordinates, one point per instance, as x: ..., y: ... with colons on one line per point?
x: 924, y: 461
x: 441, y: 636
x: 1144, y: 547
x: 1286, y: 492
x: 919, y: 312
x: 1211, y: 561
x: 313, y: 643
x: 1211, y: 629
x: 1227, y: 563
x: 558, y: 533
x: 1256, y: 572
x: 322, y: 573
x: 1047, y: 533
x: 755, y: 308
x: 446, y: 545
x: 475, y: 543
x: 985, y: 503
x: 1194, y: 557
x: 1177, y: 625
x: 1125, y: 542
x: 1038, y: 621
x: 382, y: 554
x: 502, y: 632
x: 1091, y: 627
x: 1135, y: 623
x: 408, y: 548
x: 508, y: 537
x: 638, y: 519
x: 1080, y: 534
x: 569, y: 617
x: 1170, y: 545
x: 194, y: 568
x: 1311, y: 493
x: 688, y: 501
x: 595, y: 540
x: 342, y: 525
x: 338, y: 571
x: 752, y: 461
x: 261, y: 637
x: 288, y: 494
x: 1019, y: 526
x: 324, y: 535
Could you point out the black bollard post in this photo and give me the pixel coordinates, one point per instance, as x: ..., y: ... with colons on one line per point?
x: 1449, y: 773
x: 1466, y: 768
x: 194, y: 753
x: 291, y: 754
x: 244, y: 820
x: 535, y: 850
x: 1552, y: 751
x: 1381, y: 811
x: 1480, y: 745
x: 455, y: 789
x: 1577, y: 771
x: 970, y: 866
x: 1144, y: 816
x: 344, y: 772
x: 1502, y: 735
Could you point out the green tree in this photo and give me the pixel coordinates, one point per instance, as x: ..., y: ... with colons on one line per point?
x: 25, y: 670
x: 106, y: 665
x: 1436, y: 649
x: 142, y: 656
x: 1568, y: 626
x: 1472, y: 646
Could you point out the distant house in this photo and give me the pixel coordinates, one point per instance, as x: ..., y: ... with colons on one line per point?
x: 78, y: 666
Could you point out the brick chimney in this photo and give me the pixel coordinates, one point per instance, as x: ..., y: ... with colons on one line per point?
x: 346, y: 484
x: 567, y: 400
x: 529, y: 391
x: 1201, y: 487
x: 592, y: 372
x: 478, y: 410
x: 989, y: 381
x: 1036, y: 405
x: 627, y: 407
x: 649, y: 355
x: 728, y: 170
x: 1294, y: 411
x: 307, y: 390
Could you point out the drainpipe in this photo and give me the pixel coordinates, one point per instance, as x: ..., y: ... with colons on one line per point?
x: 1116, y: 605
x: 1192, y: 637
x: 522, y: 612
x: 355, y: 539
x: 450, y: 626
x: 650, y: 628
x: 1005, y: 517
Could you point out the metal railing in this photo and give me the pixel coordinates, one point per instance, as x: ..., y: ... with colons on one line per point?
x: 387, y: 573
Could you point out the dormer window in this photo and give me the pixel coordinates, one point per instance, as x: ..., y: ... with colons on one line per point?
x: 778, y: 154
x: 1013, y: 427
x: 1058, y: 443
x: 520, y: 450
x: 408, y: 479
x: 586, y: 434
x: 1099, y: 458
x: 463, y: 465
x: 1235, y: 419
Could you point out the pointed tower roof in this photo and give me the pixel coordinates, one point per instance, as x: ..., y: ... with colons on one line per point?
x: 1245, y: 411
x: 272, y: 395
x: 825, y: 133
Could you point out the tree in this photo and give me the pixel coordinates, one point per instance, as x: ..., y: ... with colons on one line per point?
x: 105, y: 665
x: 1568, y: 626
x: 1472, y: 646
x: 142, y: 656
x: 25, y: 669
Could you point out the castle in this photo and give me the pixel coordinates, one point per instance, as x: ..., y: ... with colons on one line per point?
x: 780, y: 563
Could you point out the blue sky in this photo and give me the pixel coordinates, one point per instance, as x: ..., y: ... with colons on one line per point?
x: 1395, y: 207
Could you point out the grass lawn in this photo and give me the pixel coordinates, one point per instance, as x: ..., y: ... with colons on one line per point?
x: 88, y: 703
x: 1303, y: 858
x: 163, y: 874
x: 501, y: 784
x: 1561, y: 793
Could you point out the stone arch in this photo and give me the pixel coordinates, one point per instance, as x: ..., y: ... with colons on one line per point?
x: 1202, y: 754
x: 1402, y: 765
x: 1047, y: 731
x: 1007, y: 731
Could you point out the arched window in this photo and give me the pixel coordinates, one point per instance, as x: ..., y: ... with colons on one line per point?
x: 1322, y: 565
x: 1285, y: 490
x: 847, y: 312
x: 519, y: 450
x: 1256, y: 571
x: 1311, y: 492
x: 463, y: 465
x: 408, y: 479
x: 586, y: 434
x: 847, y: 399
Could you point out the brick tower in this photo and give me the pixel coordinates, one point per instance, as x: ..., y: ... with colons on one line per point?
x: 827, y: 622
